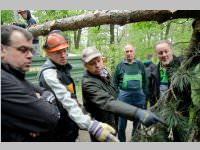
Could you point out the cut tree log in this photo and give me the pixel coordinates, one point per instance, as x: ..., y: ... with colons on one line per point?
x: 119, y: 17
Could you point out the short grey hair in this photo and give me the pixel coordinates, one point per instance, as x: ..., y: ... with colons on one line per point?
x: 134, y: 48
x: 163, y: 41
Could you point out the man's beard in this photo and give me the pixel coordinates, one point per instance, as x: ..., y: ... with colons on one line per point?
x: 166, y: 62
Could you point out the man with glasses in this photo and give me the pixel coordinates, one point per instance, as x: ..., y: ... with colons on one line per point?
x: 27, y: 111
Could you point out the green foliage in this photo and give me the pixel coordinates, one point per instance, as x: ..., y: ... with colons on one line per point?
x: 195, y: 86
x: 143, y: 36
x: 182, y: 79
x: 155, y: 133
x: 49, y: 15
x: 114, y: 56
x: 7, y: 16
x: 99, y: 37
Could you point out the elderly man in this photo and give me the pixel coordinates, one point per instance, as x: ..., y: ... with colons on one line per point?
x: 99, y: 95
x: 27, y: 111
x: 55, y: 76
x: 168, y: 64
x: 131, y: 83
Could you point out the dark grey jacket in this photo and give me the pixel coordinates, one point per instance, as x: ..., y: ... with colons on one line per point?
x: 99, y: 98
x: 21, y: 111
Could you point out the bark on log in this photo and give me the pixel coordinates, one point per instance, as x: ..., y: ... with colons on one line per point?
x: 120, y: 17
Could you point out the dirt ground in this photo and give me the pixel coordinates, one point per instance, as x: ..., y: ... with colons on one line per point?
x: 84, y: 136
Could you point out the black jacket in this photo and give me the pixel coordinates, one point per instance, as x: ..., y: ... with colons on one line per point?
x: 21, y: 111
x: 100, y: 99
x: 150, y: 68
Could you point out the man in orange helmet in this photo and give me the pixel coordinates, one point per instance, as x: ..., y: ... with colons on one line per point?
x: 55, y: 76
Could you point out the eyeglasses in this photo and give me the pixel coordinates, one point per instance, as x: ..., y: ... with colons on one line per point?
x: 23, y: 49
x: 95, y: 61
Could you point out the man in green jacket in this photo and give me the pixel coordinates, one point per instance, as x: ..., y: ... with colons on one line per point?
x: 131, y: 82
x: 99, y: 95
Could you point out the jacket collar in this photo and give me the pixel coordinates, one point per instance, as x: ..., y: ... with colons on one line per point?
x: 67, y: 66
x: 106, y: 76
x: 16, y: 72
x: 126, y: 62
x: 51, y: 64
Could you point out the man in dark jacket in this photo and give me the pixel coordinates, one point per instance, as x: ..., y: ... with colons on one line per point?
x: 150, y: 68
x: 26, y: 15
x: 99, y: 95
x: 27, y: 111
x: 55, y: 76
x: 168, y: 64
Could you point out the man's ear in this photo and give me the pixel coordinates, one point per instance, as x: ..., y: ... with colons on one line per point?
x: 85, y: 65
x: 2, y: 48
x: 2, y: 51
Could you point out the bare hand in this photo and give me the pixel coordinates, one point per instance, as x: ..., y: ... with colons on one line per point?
x: 34, y: 134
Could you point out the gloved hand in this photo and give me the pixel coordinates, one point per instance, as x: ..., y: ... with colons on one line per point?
x: 48, y: 96
x: 102, y: 132
x: 147, y: 117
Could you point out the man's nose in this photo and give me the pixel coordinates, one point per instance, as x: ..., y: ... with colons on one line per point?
x: 63, y: 54
x: 164, y: 54
x: 97, y: 64
x: 30, y: 54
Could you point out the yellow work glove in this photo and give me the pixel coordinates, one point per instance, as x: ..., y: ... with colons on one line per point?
x: 102, y: 132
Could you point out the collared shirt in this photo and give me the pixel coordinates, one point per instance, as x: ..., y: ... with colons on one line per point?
x: 163, y: 81
x: 126, y: 62
x: 104, y: 73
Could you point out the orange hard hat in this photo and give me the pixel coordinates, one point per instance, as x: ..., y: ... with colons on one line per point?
x: 55, y: 41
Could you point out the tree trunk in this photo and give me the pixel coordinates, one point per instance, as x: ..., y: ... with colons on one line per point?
x: 148, y: 39
x: 112, y: 33
x: 167, y: 30
x: 119, y: 37
x: 16, y: 16
x: 193, y: 53
x: 121, y: 17
x: 77, y: 37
